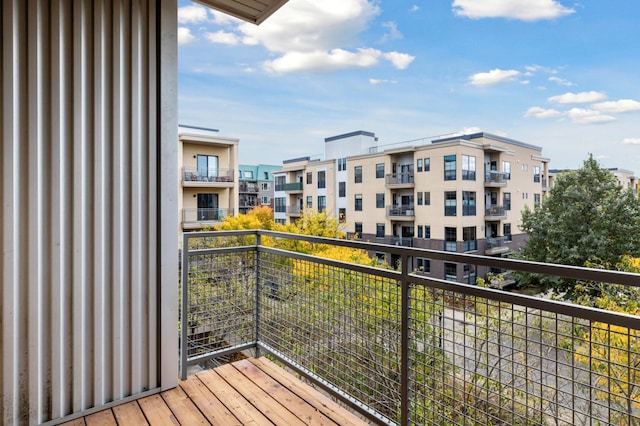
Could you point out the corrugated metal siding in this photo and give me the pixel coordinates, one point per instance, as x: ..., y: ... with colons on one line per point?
x: 81, y: 190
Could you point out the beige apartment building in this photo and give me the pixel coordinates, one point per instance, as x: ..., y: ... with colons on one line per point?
x: 208, y: 178
x: 461, y: 193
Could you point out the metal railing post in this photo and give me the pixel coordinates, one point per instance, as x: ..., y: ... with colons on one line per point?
x: 257, y: 295
x: 404, y: 342
x: 184, y: 314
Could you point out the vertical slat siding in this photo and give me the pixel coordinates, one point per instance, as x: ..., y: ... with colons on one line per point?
x: 86, y: 287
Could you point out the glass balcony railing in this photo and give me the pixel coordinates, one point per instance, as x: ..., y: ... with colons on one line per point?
x: 205, y: 215
x: 195, y: 175
x: 404, y: 348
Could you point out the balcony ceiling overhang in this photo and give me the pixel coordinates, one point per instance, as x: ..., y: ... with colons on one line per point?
x: 254, y: 11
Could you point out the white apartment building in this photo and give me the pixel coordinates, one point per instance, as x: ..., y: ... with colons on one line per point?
x: 460, y: 193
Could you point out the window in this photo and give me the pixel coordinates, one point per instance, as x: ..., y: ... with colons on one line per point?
x: 423, y: 265
x: 380, y: 201
x: 468, y: 203
x: 419, y: 165
x: 379, y: 230
x: 450, y: 203
x: 342, y: 189
x: 358, y: 228
x: 357, y: 172
x: 265, y: 186
x: 379, y: 170
x: 468, y: 167
x: 506, y: 231
x: 321, y: 179
x: 427, y: 231
x: 470, y: 242
x: 536, y: 200
x: 420, y: 234
x: 506, y: 169
x: 419, y: 198
x: 342, y: 215
x: 281, y: 205
x: 427, y: 164
x: 536, y: 173
x: 450, y: 238
x: 427, y: 198
x: 449, y: 167
x: 358, y: 203
x: 450, y: 272
x: 248, y: 174
x: 266, y: 175
x: 322, y: 203
x: 281, y: 221
x: 506, y: 200
x: 469, y: 274
x: 265, y: 200
x: 207, y: 166
x: 309, y: 178
x: 342, y: 164
x: 309, y: 201
x: 280, y: 182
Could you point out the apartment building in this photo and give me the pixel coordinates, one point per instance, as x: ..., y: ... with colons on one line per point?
x: 255, y: 186
x: 460, y: 193
x: 626, y: 178
x: 209, y: 182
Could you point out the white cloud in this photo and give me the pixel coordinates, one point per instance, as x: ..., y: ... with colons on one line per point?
x: 220, y: 18
x: 375, y: 81
x: 414, y: 8
x: 192, y: 14
x: 322, y: 61
x: 588, y: 116
x: 399, y: 60
x: 542, y: 113
x: 631, y: 141
x: 578, y: 98
x: 223, y: 37
x: 525, y: 10
x: 492, y: 77
x: 185, y: 36
x: 621, y: 105
x: 392, y: 32
x: 561, y: 81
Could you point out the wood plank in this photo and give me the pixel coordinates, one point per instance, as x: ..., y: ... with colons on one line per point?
x: 129, y: 414
x: 246, y: 413
x: 157, y: 411
x: 183, y: 408
x: 104, y: 417
x: 318, y: 400
x: 298, y: 406
x: 275, y: 412
x: 207, y: 402
x: 76, y: 422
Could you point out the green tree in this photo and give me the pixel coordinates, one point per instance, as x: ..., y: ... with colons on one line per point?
x: 587, y: 217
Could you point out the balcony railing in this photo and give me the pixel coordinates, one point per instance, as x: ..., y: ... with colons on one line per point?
x: 403, y: 210
x: 294, y: 210
x: 248, y: 187
x: 202, y: 176
x: 400, y: 179
x: 404, y: 348
x: 293, y: 187
x: 494, y: 178
x: 495, y: 211
x: 205, y: 215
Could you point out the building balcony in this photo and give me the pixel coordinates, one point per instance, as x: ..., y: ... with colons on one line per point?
x: 248, y: 188
x: 218, y: 178
x: 496, y: 245
x: 293, y: 188
x: 496, y: 179
x: 402, y: 241
x: 399, y: 180
x: 495, y: 212
x: 399, y: 347
x: 294, y: 210
x: 401, y: 213
x: 197, y: 218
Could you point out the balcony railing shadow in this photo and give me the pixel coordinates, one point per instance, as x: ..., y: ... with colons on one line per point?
x: 401, y: 347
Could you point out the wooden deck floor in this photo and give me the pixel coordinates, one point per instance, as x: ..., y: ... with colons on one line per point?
x: 251, y: 391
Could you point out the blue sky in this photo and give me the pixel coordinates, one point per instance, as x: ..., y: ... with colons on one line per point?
x: 561, y: 75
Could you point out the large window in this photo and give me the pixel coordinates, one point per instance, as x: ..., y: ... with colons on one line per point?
x: 342, y: 189
x: 419, y: 165
x: 450, y: 272
x: 427, y: 231
x: 506, y: 200
x: 506, y: 231
x: 379, y: 170
x: 449, y: 167
x: 357, y: 172
x: 423, y: 265
x: 342, y: 164
x: 309, y: 178
x: 506, y: 169
x: 207, y: 166
x: 358, y: 203
x: 450, y: 238
x: 420, y: 234
x: 470, y: 242
x: 420, y: 198
x: 427, y: 164
x: 380, y: 201
x: 468, y: 203
x: 280, y: 183
x: 358, y: 228
x: 309, y: 201
x: 281, y: 205
x: 322, y: 179
x: 536, y: 200
x: 380, y: 230
x: 322, y: 203
x: 450, y: 203
x: 468, y: 167
x: 536, y: 173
